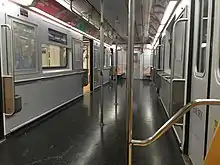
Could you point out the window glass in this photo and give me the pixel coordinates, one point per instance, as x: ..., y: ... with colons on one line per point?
x: 202, y: 37
x: 170, y: 53
x: 54, y: 56
x: 85, y: 57
x: 24, y: 47
x: 96, y: 57
x: 78, y: 55
x: 107, y: 58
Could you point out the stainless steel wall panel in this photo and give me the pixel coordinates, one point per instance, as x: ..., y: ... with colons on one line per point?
x: 41, y: 96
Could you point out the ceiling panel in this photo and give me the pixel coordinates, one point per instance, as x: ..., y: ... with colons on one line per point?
x: 149, y: 14
x: 156, y: 15
x: 117, y: 9
x: 114, y: 10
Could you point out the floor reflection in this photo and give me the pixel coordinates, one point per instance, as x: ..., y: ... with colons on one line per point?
x: 74, y: 136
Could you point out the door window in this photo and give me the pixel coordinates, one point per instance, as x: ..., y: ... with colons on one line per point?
x: 96, y: 57
x: 107, y: 58
x: 77, y: 49
x: 24, y: 47
x: 202, y: 37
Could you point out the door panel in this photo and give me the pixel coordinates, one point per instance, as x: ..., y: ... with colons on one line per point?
x: 201, y: 48
x: 180, y: 37
x: 2, y: 51
x: 214, y: 111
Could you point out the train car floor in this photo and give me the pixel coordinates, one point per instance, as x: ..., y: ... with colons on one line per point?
x: 74, y: 136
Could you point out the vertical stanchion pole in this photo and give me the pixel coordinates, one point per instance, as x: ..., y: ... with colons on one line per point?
x: 130, y: 70
x: 102, y: 59
x: 116, y: 75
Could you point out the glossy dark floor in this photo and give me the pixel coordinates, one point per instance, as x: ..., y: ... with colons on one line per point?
x: 74, y: 137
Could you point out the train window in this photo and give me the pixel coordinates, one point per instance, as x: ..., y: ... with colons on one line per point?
x: 54, y: 56
x: 24, y: 47
x: 85, y: 57
x: 202, y: 37
x: 107, y: 59
x: 78, y: 51
x: 170, y: 52
x: 96, y: 58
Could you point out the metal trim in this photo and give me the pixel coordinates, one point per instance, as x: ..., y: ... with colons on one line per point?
x: 180, y: 80
x: 107, y: 68
x: 213, y: 8
x: 188, y: 83
x: 12, y: 74
x: 47, y: 77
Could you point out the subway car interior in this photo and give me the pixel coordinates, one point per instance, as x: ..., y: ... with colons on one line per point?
x: 120, y: 82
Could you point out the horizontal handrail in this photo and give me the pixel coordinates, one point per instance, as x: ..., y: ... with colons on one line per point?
x: 173, y: 120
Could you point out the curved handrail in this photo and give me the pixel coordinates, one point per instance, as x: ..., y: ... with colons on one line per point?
x: 173, y: 120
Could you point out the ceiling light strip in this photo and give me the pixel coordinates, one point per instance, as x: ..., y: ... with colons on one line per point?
x: 168, y: 12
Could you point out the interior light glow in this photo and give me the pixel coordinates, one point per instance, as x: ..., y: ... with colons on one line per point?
x: 24, y: 2
x: 157, y: 35
x: 54, y: 20
x: 160, y: 28
x: 204, y: 45
x: 168, y: 11
x: 91, y: 23
x: 96, y: 26
x: 85, y: 18
x: 166, y: 16
x: 155, y: 46
x: 6, y: 5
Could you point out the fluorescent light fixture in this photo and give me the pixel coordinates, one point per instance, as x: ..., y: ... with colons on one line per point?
x: 6, y: 5
x: 148, y: 46
x: 113, y: 46
x: 51, y: 19
x: 85, y: 18
x: 96, y: 26
x: 203, y: 45
x: 157, y: 35
x: 156, y: 44
x: 160, y: 28
x: 24, y: 2
x: 91, y: 23
x: 168, y: 12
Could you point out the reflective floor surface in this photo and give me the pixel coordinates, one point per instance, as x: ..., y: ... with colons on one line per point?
x: 74, y: 137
